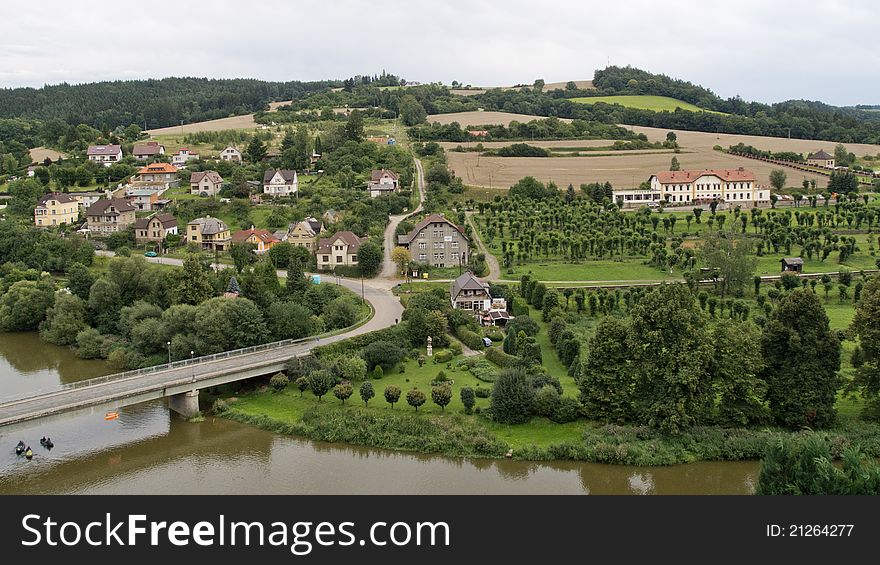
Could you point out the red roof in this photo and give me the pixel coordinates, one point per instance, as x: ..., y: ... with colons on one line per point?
x: 157, y: 168
x: 263, y: 235
x: 685, y: 177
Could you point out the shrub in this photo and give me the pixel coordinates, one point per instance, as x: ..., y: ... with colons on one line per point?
x: 467, y: 399
x: 392, y: 394
x: 350, y: 368
x: 469, y: 338
x: 441, y: 395
x: 378, y: 373
x: 279, y: 382
x: 442, y: 357
x: 501, y: 358
x: 481, y: 392
x: 455, y: 348
x: 320, y: 382
x: 415, y: 398
x: 386, y: 354
x: 567, y: 410
x: 441, y: 377
x: 343, y: 391
x: 366, y: 391
x: 302, y: 383
x: 220, y: 406
x: 494, y: 334
x: 513, y: 398
x: 546, y: 401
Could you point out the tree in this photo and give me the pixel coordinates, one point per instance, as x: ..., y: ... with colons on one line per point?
x: 866, y: 325
x: 421, y: 324
x: 777, y: 179
x: 287, y: 319
x: 343, y: 391
x: 392, y: 394
x: 104, y: 304
x: 229, y: 323
x: 735, y: 366
x: 320, y: 382
x: 302, y: 383
x: 604, y: 375
x: 350, y: 368
x: 401, y: 257
x: 25, y: 304
x: 354, y: 127
x: 441, y: 395
x: 79, y: 280
x: 802, y: 356
x: 673, y: 165
x: 242, y: 255
x: 842, y: 156
x: 64, y: 320
x: 411, y: 111
x: 731, y: 259
x: 415, y: 398
x: 366, y: 391
x: 529, y: 187
x: 385, y: 354
x: 193, y: 285
x: 369, y: 258
x: 468, y: 399
x: 671, y: 138
x: 256, y: 150
x: 513, y: 398
x: 279, y: 382
x: 24, y: 195
x: 341, y: 312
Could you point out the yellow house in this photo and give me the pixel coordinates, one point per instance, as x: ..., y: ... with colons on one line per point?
x: 305, y: 233
x: 55, y: 209
x: 338, y: 250
x: 208, y: 233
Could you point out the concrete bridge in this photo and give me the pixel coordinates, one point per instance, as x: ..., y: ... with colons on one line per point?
x: 181, y: 381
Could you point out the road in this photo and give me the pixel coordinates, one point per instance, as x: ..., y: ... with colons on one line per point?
x: 491, y: 261
x: 389, y: 269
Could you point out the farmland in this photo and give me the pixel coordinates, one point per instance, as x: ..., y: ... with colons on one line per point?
x: 484, y: 118
x: 642, y: 102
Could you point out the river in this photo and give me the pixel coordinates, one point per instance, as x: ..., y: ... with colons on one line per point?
x: 149, y: 450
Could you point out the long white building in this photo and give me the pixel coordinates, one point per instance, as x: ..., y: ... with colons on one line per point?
x: 733, y: 186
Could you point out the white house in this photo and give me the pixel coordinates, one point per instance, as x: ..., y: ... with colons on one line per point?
x: 148, y: 150
x: 821, y: 159
x: 231, y: 153
x: 104, y: 154
x: 205, y: 183
x: 280, y: 182
x: 383, y: 182
x: 338, y: 250
x: 183, y: 155
x: 734, y: 186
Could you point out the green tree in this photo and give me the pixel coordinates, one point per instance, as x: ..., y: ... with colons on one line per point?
x: 351, y: 368
x: 778, y: 178
x: 513, y: 398
x: 64, y: 320
x: 866, y: 325
x: 605, y: 377
x: 392, y: 394
x: 341, y: 312
x: 441, y: 395
x: 343, y: 391
x: 105, y: 302
x: 366, y: 392
x: 731, y: 259
x: 193, y: 284
x: 302, y: 383
x: 287, y: 319
x: 79, y: 280
x: 802, y: 356
x: 242, y: 255
x: 735, y: 366
x: 370, y: 258
x: 229, y: 323
x: 415, y: 398
x: 354, y: 127
x: 468, y: 399
x: 674, y: 165
x: 411, y: 111
x: 421, y: 324
x: 385, y: 354
x: 279, y: 382
x: 25, y: 304
x: 320, y: 383
x: 24, y: 195
x: 256, y: 150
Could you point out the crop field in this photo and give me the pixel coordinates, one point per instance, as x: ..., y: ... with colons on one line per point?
x: 484, y: 118
x: 39, y: 154
x: 643, y: 102
x: 233, y: 122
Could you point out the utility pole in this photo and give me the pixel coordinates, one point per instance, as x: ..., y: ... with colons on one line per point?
x: 362, y: 288
x: 169, y: 352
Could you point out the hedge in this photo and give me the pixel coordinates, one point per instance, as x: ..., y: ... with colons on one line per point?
x: 501, y: 358
x: 519, y: 307
x: 357, y: 342
x: 469, y: 338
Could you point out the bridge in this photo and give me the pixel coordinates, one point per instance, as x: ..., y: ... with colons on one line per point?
x: 181, y: 381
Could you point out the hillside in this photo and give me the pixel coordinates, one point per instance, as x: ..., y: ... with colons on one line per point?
x: 643, y: 102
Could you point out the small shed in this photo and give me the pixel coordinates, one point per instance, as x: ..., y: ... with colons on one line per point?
x: 792, y: 265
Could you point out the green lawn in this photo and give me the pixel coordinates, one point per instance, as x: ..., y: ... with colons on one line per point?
x: 644, y: 102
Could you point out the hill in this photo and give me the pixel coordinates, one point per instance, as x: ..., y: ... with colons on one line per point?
x: 643, y: 102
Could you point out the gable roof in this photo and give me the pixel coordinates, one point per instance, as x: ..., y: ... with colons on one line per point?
x: 103, y: 150
x: 209, y: 225
x: 467, y: 281
x: 148, y: 148
x: 727, y: 175
x: 378, y: 174
x: 212, y: 176
x: 431, y: 219
x: 821, y: 155
x: 309, y: 225
x: 59, y: 196
x: 793, y: 260
x: 349, y: 238
x: 157, y: 168
x: 287, y: 175
x: 101, y: 206
x: 264, y: 235
x: 230, y: 148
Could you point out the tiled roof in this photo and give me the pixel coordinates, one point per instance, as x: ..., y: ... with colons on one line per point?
x: 431, y: 219
x: 287, y: 175
x: 101, y: 206
x: 157, y: 168
x: 265, y: 235
x: 378, y: 174
x: 148, y: 148
x: 212, y: 176
x: 350, y: 239
x: 59, y: 196
x: 821, y: 155
x: 209, y: 225
x: 727, y: 175
x: 467, y: 281
x: 104, y: 150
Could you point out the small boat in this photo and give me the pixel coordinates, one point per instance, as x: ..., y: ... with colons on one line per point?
x: 43, y: 441
x: 28, y: 454
x: 111, y: 415
x: 47, y: 443
x: 19, y: 449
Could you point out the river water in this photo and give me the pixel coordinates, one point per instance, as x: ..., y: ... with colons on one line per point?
x: 149, y: 450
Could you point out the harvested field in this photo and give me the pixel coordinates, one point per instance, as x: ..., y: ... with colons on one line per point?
x: 548, y: 144
x: 275, y: 105
x: 484, y: 118
x: 233, y: 122
x: 39, y: 154
x: 467, y: 91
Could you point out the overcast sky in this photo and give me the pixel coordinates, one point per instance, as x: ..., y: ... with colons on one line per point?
x: 764, y: 50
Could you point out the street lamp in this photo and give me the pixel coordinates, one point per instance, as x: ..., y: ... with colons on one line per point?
x: 191, y: 355
x: 362, y: 288
x: 169, y: 352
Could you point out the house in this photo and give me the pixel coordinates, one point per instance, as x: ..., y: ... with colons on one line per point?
x: 143, y: 199
x: 340, y: 249
x: 263, y: 240
x: 55, y: 209
x: 205, y: 183
x: 108, y: 216
x: 478, y: 132
x: 821, y: 159
x: 231, y: 153
x: 159, y: 174
x: 314, y: 158
x: 437, y: 242
x: 32, y: 170
x: 280, y: 182
x: 208, y: 233
x: 470, y: 293
x: 183, y: 155
x: 104, y: 154
x: 383, y: 182
x: 86, y: 199
x: 148, y: 150
x: 305, y: 233
x: 154, y: 228
x: 792, y: 265
x: 735, y: 186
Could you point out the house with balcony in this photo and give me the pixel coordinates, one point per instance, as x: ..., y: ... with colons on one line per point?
x: 232, y: 154
x: 108, y: 216
x: 148, y: 150
x: 262, y: 240
x: 208, y: 233
x: 157, y: 174
x: 383, y: 182
x: 154, y: 228
x: 304, y: 233
x: 104, y: 154
x: 280, y: 182
x: 182, y: 156
x: 205, y: 183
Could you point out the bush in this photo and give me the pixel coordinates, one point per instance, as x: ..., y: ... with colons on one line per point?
x: 279, y: 382
x: 567, y: 410
x: 385, y: 354
x: 220, y: 406
x: 302, y: 383
x: 343, y: 391
x: 481, y: 392
x: 546, y: 401
x: 513, y: 398
x: 378, y: 373
x: 392, y: 394
x: 494, y: 334
x: 469, y: 338
x: 455, y: 348
x: 415, y: 398
x: 467, y: 399
x: 441, y: 377
x: 501, y: 358
x: 441, y: 357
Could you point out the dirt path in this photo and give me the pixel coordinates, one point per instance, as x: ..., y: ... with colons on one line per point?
x: 494, y: 266
x: 389, y: 269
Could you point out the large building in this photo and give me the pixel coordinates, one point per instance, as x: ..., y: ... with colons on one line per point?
x: 734, y: 186
x: 437, y: 242
x: 821, y: 159
x: 280, y: 182
x: 104, y: 154
x: 108, y: 216
x: 154, y: 228
x: 55, y: 209
x: 208, y: 233
x: 338, y: 250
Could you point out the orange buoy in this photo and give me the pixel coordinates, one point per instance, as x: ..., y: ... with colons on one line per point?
x: 111, y: 415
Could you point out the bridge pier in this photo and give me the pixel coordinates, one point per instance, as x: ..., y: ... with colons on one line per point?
x: 186, y: 403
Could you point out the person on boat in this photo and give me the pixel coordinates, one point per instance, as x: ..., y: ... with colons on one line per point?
x: 19, y: 449
x: 48, y: 444
x: 43, y: 440
x: 28, y: 453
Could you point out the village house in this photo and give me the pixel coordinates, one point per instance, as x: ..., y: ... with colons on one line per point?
x: 108, y: 216
x: 232, y: 154
x: 338, y: 250
x: 304, y: 233
x: 735, y: 186
x: 383, y: 182
x: 32, y: 170
x: 821, y: 159
x: 158, y: 174
x: 205, y: 183
x: 331, y: 216
x: 55, y: 209
x: 208, y: 233
x: 280, y: 182
x: 792, y: 264
x: 263, y: 240
x: 437, y: 242
x: 148, y: 150
x: 154, y: 228
x: 183, y: 155
x: 143, y: 199
x: 86, y: 199
x: 104, y: 154
x: 470, y: 293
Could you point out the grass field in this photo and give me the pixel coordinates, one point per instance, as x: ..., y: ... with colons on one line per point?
x: 644, y: 102
x: 484, y: 118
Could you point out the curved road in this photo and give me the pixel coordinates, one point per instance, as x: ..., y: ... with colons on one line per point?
x: 491, y: 260
x: 389, y: 269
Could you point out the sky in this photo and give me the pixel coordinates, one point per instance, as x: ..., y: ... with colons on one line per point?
x: 763, y: 50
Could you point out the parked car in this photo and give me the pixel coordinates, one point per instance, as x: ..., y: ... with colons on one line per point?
x: 487, y: 342
x: 151, y: 254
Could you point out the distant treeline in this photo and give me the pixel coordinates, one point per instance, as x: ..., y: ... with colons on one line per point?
x: 779, y: 155
x: 550, y: 128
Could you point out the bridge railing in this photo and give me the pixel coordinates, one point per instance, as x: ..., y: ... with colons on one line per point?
x: 164, y: 367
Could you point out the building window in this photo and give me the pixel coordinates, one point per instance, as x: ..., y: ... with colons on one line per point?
x: 326, y: 258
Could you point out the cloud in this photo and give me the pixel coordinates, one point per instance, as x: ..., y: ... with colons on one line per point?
x: 766, y: 51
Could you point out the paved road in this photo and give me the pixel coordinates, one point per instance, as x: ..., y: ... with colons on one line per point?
x: 389, y: 269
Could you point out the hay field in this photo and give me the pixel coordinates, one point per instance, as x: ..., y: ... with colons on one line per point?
x: 548, y: 144
x: 39, y: 154
x: 484, y: 118
x: 233, y: 122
